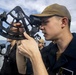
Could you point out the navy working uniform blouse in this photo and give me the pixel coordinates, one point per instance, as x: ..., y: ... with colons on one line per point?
x: 66, y: 64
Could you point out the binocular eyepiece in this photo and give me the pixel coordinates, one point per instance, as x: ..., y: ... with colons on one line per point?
x: 35, y: 21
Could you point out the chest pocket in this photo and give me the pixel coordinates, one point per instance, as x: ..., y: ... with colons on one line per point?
x: 65, y: 71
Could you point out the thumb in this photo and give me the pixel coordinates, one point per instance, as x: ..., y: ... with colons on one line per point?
x: 26, y: 36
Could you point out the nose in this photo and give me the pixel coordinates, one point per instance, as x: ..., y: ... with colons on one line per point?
x: 41, y: 27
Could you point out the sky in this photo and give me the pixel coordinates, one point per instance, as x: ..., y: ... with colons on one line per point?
x: 37, y: 6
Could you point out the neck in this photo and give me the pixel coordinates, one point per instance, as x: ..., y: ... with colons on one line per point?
x: 64, y: 42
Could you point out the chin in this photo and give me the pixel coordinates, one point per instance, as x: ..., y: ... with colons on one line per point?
x: 48, y: 38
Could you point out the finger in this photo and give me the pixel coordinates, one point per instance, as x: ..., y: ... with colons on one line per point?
x: 17, y: 24
x: 22, y: 50
x: 19, y: 43
x: 27, y: 36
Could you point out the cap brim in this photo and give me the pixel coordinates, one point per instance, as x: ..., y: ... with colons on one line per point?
x: 42, y: 15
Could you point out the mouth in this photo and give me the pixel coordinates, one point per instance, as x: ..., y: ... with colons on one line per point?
x: 45, y: 34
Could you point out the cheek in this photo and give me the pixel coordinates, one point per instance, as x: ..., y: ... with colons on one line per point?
x: 52, y: 31
x: 53, y: 27
x: 49, y: 29
x: 39, y: 45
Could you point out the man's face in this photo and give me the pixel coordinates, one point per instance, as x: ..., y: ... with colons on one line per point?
x: 40, y: 44
x: 16, y: 25
x: 51, y: 27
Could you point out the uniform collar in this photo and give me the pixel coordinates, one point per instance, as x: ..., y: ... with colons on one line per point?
x: 70, y: 52
x: 71, y: 49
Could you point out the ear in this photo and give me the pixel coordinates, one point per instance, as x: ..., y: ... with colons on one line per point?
x: 64, y: 21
